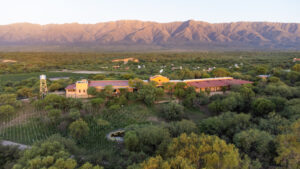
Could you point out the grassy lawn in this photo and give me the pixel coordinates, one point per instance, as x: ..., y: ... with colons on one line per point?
x: 23, y: 76
x: 27, y: 133
x: 33, y: 129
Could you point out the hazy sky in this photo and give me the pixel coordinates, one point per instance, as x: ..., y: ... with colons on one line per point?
x: 93, y: 11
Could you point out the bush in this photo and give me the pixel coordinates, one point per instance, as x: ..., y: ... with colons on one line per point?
x: 255, y: 143
x: 262, y: 107
x: 225, y: 125
x: 74, y: 114
x: 6, y: 110
x: 79, y: 129
x: 172, y: 111
x: 55, y: 86
x: 56, y: 101
x: 92, y: 91
x: 183, y: 126
x: 8, y: 156
x: 103, y: 123
x: 114, y: 108
x: 54, y: 114
x: 131, y: 141
x: 97, y: 102
x: 149, y: 139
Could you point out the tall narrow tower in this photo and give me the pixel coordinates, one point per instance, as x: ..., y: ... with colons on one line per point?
x: 43, y: 86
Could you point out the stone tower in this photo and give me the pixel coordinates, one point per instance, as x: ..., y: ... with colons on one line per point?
x: 43, y: 86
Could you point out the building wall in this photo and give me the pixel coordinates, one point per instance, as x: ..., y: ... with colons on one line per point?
x: 81, y: 89
x: 70, y: 93
x: 160, y: 80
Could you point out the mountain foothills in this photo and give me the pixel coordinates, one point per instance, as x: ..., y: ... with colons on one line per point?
x: 188, y: 35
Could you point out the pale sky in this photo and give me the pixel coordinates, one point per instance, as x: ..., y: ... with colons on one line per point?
x: 94, y: 11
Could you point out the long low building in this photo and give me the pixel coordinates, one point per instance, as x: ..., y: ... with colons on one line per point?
x: 79, y: 89
x: 215, y: 84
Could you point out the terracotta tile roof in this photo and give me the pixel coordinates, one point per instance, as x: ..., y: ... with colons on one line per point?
x: 217, y: 83
x: 71, y: 86
x: 103, y: 83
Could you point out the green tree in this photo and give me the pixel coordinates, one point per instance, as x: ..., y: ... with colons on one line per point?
x: 136, y: 83
x: 205, y: 151
x: 296, y: 68
x: 56, y: 101
x: 8, y: 156
x: 291, y: 109
x: 172, y: 111
x: 255, y: 143
x: 293, y: 76
x: 131, y: 140
x: 169, y: 87
x: 55, y: 86
x: 278, y: 90
x: 225, y: 125
x: 127, y: 76
x: 216, y: 107
x: 179, y: 89
x: 9, y: 99
x: 25, y: 92
x: 97, y: 102
x: 88, y: 165
x: 262, y: 106
x: 79, y: 129
x: 46, y: 155
x: 92, y: 91
x: 103, y: 123
x: 173, y: 163
x: 99, y: 77
x: 220, y: 72
x: 74, y: 114
x: 54, y: 114
x: 183, y: 126
x: 261, y: 70
x: 149, y: 94
x: 151, y: 139
x: 289, y: 147
x: 108, y: 91
x: 274, y: 124
x: 6, y: 110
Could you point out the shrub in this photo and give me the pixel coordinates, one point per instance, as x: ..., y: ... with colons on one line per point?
x: 262, y: 107
x: 103, y: 123
x: 97, y: 102
x: 54, y: 114
x: 74, y: 114
x: 131, y: 141
x: 6, y: 110
x: 183, y: 126
x: 92, y: 91
x: 172, y: 111
x: 79, y: 129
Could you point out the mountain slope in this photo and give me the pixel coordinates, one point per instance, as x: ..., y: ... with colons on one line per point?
x: 175, y: 35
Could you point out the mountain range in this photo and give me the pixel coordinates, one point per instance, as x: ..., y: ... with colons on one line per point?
x: 140, y: 35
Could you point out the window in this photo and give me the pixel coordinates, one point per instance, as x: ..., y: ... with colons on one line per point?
x: 79, y: 91
x: 83, y: 91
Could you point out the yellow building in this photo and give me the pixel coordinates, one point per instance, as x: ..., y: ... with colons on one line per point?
x: 160, y: 80
x: 126, y: 60
x: 79, y: 89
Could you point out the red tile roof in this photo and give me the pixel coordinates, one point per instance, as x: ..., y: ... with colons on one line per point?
x: 71, y: 86
x: 103, y: 83
x: 217, y: 83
